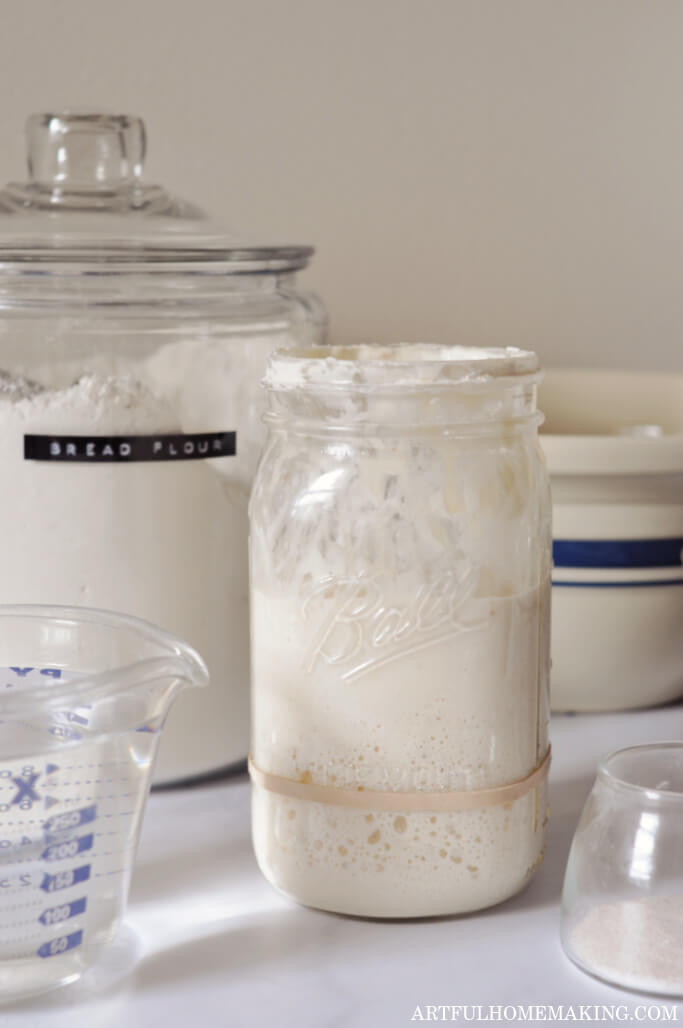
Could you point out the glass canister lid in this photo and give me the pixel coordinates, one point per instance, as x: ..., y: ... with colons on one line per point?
x: 86, y: 201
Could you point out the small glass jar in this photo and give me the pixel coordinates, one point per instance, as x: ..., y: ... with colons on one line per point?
x: 400, y: 575
x: 622, y: 904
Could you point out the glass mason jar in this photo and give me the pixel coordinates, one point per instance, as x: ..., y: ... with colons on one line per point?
x: 400, y: 574
x: 133, y: 337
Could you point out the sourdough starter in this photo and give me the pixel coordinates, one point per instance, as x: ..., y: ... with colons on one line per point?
x: 400, y: 616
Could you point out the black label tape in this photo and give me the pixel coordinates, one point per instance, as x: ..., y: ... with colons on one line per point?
x: 125, y: 449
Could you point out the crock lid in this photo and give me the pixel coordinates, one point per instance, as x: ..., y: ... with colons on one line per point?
x: 601, y: 422
x: 86, y: 200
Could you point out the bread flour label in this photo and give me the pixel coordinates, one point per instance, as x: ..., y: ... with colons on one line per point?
x: 129, y: 448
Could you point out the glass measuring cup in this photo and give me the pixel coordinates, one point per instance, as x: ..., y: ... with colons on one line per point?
x: 83, y: 698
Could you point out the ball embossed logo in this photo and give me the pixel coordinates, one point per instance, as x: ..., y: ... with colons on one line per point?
x: 354, y: 626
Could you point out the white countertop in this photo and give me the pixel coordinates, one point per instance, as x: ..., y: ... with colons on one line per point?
x: 210, y: 943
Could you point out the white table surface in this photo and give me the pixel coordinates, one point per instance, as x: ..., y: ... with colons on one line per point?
x: 212, y: 944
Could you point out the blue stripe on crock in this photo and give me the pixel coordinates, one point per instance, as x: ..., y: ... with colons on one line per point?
x: 618, y: 553
x: 651, y: 583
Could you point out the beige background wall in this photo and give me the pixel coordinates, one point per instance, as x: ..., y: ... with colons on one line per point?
x: 491, y: 171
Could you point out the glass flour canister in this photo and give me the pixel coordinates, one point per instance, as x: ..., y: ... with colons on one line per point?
x: 133, y: 336
x: 400, y: 581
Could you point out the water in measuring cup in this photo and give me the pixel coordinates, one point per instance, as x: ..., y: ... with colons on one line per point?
x: 69, y: 822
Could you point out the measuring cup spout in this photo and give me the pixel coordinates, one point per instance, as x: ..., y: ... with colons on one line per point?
x: 166, y: 676
x: 99, y: 672
x: 138, y: 697
x: 180, y: 671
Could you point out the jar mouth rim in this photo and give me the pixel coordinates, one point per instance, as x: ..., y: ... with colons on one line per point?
x: 396, y: 366
x: 625, y: 782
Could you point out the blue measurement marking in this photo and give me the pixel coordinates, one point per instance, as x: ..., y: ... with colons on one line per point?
x: 77, y: 719
x: 49, y: 672
x: 71, y: 819
x: 25, y: 790
x: 63, y: 733
x: 54, y: 915
x: 60, y: 945
x: 67, y: 849
x: 65, y: 879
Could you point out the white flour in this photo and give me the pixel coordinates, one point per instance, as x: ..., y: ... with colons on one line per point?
x: 165, y: 541
x: 637, y: 944
x: 214, y: 386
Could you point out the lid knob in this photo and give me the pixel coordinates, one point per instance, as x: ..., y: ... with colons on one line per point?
x: 85, y: 152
